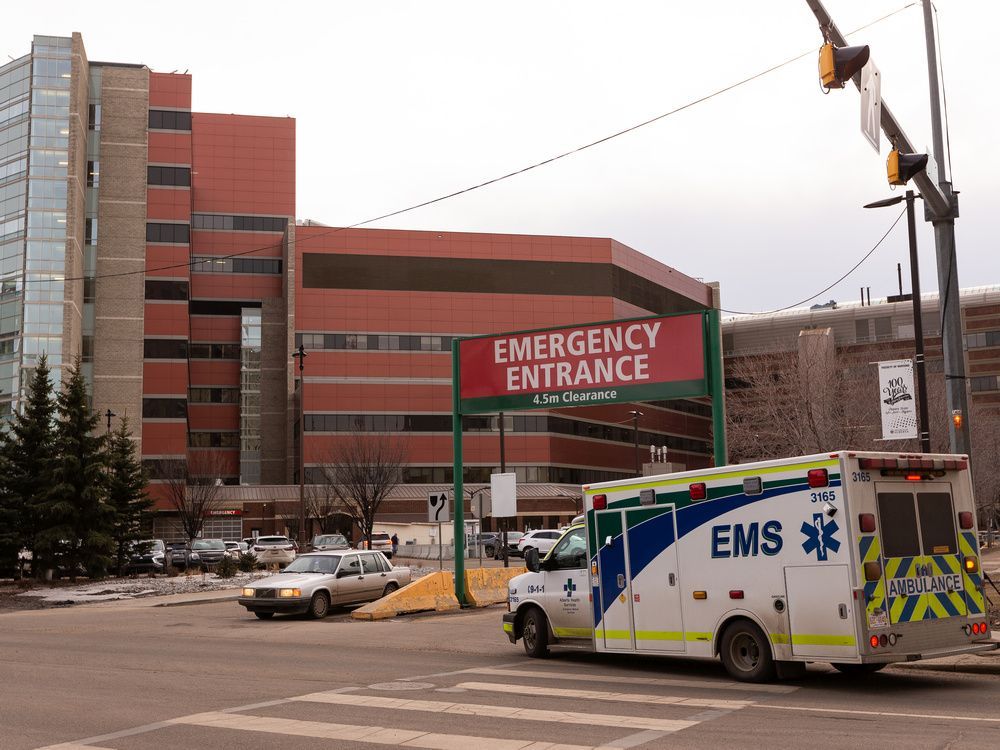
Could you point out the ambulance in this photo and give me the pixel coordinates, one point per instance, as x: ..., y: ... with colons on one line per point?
x: 858, y: 559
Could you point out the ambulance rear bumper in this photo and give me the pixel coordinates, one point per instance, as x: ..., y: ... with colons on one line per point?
x: 939, y: 653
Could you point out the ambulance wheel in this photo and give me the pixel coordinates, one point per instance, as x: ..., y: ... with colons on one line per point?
x: 535, y: 634
x: 745, y: 653
x: 859, y: 670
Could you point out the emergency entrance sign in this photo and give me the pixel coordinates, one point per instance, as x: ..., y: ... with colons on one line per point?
x: 629, y: 360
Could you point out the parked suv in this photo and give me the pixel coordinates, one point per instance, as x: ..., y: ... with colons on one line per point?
x: 541, y: 539
x: 147, y: 557
x: 324, y: 542
x: 203, y: 553
x: 273, y: 549
x: 381, y: 542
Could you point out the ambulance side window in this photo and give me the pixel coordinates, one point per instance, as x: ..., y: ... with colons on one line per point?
x: 937, y: 523
x: 570, y: 552
x: 898, y: 524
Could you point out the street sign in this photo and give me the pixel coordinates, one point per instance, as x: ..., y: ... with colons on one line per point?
x: 437, y: 507
x: 871, y: 104
x: 503, y: 488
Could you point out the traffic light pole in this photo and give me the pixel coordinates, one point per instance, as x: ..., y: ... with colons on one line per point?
x: 941, y: 209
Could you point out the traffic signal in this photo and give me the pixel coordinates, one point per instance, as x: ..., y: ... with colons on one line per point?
x: 956, y: 419
x: 902, y: 167
x: 837, y: 65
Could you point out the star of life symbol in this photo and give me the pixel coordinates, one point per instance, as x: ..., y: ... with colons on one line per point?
x: 819, y: 536
x: 569, y: 587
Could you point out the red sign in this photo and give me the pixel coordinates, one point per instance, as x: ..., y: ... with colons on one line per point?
x: 629, y: 360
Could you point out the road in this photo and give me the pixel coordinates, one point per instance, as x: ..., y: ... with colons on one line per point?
x: 136, y: 677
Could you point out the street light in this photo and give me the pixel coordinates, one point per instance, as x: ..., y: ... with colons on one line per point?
x: 918, y: 325
x: 301, y: 355
x: 635, y: 430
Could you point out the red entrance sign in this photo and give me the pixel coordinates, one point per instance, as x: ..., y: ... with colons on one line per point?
x: 628, y: 360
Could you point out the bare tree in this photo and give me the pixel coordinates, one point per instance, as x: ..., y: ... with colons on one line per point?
x: 324, y: 507
x: 194, y: 494
x: 361, y: 471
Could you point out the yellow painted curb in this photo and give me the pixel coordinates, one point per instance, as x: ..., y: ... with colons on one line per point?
x: 486, y: 586
x: 433, y: 592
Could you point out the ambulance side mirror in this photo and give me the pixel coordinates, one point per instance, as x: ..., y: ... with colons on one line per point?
x: 531, y: 560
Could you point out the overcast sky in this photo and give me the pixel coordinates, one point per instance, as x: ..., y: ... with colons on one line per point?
x: 759, y: 188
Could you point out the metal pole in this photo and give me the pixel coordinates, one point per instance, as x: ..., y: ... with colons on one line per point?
x: 456, y: 430
x: 479, y: 546
x: 440, y: 548
x: 717, y: 386
x: 506, y: 521
x: 918, y: 324
x: 302, y: 447
x: 635, y: 435
x: 944, y: 235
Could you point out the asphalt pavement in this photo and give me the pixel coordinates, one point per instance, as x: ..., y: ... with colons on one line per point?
x: 129, y: 675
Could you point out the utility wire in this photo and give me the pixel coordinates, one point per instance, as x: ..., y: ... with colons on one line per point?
x: 480, y: 185
x: 827, y: 289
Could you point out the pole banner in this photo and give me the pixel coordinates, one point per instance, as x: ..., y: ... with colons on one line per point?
x: 899, y: 408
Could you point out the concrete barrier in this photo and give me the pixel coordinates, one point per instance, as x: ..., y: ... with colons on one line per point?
x: 432, y: 592
x: 485, y: 586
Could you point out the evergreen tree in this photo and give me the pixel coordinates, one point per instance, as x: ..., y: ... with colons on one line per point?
x: 26, y: 453
x: 126, y: 495
x: 78, y: 519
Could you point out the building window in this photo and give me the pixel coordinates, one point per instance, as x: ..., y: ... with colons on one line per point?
x: 170, y: 176
x: 165, y: 119
x: 164, y: 408
x: 214, y: 395
x: 215, y: 264
x: 94, y: 117
x: 987, y: 383
x: 215, y: 351
x: 93, y: 173
x: 374, y: 342
x: 166, y: 290
x: 982, y: 339
x: 861, y: 331
x: 165, y: 349
x: 175, y: 233
x: 228, y: 223
x: 165, y: 468
x: 214, y: 439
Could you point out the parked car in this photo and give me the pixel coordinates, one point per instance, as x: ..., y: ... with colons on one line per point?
x: 488, y: 540
x: 513, y: 537
x: 175, y: 555
x: 316, y: 581
x: 204, y: 553
x: 381, y: 541
x: 274, y: 549
x: 326, y: 542
x: 147, y: 557
x: 235, y: 549
x: 541, y: 539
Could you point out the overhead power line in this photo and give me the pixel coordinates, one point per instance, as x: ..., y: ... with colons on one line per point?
x: 493, y: 181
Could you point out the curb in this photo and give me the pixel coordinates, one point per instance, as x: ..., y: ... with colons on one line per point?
x: 187, y: 602
x: 993, y: 669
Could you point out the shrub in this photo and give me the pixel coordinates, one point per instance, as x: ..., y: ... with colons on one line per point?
x: 248, y: 562
x: 226, y: 568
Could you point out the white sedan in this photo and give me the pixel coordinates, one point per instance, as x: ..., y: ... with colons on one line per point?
x: 541, y: 539
x: 314, y: 582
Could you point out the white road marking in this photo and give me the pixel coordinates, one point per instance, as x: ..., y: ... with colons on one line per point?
x: 505, y: 712
x: 659, y: 700
x: 356, y: 733
x: 73, y: 746
x: 884, y: 714
x: 664, y: 682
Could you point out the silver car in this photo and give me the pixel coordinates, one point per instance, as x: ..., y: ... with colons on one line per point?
x: 316, y: 581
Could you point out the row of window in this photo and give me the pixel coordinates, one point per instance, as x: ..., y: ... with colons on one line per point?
x: 166, y: 290
x: 164, y: 119
x: 177, y: 176
x: 164, y: 408
x: 214, y: 439
x: 214, y: 351
x: 481, y: 474
x: 178, y: 233
x: 985, y: 383
x: 165, y: 349
x: 238, y: 223
x: 982, y: 339
x: 374, y: 342
x: 525, y: 423
x: 214, y: 395
x: 210, y: 264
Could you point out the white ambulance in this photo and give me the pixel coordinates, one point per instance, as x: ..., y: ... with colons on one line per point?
x: 855, y: 558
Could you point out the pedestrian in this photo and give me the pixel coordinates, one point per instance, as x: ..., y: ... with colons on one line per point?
x: 395, y: 544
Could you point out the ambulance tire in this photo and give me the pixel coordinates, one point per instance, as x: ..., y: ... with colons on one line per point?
x: 535, y: 634
x: 859, y: 670
x: 745, y: 653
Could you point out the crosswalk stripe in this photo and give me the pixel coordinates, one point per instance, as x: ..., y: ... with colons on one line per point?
x: 890, y: 714
x: 603, y: 696
x: 505, y: 712
x: 660, y: 681
x: 371, y: 734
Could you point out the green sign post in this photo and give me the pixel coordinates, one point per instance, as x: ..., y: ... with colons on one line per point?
x: 638, y: 359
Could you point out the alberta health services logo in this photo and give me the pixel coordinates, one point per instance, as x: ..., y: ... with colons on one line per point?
x: 820, y: 536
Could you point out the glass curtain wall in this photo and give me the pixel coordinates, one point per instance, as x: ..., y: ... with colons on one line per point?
x: 250, y: 327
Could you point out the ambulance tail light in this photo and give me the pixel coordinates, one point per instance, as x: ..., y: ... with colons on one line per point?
x: 698, y: 491
x: 873, y: 641
x: 736, y: 594
x: 819, y: 478
x: 873, y: 571
x: 866, y: 522
x: 965, y: 519
x: 600, y: 502
x: 971, y: 564
x: 914, y: 477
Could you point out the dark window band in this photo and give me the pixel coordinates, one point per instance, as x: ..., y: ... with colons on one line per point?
x: 220, y: 307
x: 169, y: 176
x: 215, y: 351
x: 164, y: 408
x: 168, y: 290
x: 175, y: 233
x: 165, y: 349
x: 487, y: 276
x: 239, y: 223
x: 210, y: 264
x: 166, y: 119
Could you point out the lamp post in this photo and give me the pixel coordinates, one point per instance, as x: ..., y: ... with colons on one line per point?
x: 918, y: 325
x: 635, y: 431
x: 301, y: 355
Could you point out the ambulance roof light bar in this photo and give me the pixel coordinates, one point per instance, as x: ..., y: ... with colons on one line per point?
x: 933, y: 464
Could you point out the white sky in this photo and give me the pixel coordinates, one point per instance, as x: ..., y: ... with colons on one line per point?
x: 760, y: 188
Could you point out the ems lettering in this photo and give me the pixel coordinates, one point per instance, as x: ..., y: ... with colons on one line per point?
x: 746, y: 540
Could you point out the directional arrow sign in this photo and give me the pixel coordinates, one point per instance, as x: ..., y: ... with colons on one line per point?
x: 437, y: 507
